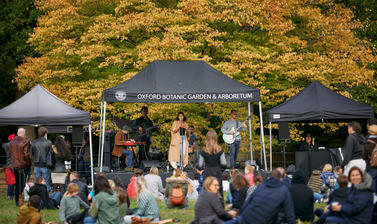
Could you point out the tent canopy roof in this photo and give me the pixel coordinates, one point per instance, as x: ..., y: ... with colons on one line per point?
x: 180, y: 82
x: 317, y: 103
x: 40, y: 107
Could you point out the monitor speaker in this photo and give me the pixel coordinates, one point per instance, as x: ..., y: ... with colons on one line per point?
x: 284, y: 131
x: 77, y: 135
x: 147, y: 164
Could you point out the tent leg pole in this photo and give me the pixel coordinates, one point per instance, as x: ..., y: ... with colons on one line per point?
x: 270, y: 148
x: 91, y: 154
x: 103, y: 134
x: 100, y: 136
x: 250, y: 133
x: 262, y: 135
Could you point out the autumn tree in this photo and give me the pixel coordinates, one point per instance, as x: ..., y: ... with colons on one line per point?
x: 278, y: 46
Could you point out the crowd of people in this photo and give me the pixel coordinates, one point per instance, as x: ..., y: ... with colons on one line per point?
x: 349, y: 190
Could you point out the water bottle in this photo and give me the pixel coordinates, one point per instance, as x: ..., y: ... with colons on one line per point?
x: 167, y: 168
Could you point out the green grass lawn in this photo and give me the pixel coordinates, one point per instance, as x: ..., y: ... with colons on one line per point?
x: 8, y: 211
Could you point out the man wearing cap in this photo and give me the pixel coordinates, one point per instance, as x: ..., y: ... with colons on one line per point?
x: 120, y: 149
x: 309, y: 143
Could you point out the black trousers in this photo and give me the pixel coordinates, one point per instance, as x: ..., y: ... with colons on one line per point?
x: 19, y: 174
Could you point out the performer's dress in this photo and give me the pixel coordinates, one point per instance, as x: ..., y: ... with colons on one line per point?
x: 174, y: 150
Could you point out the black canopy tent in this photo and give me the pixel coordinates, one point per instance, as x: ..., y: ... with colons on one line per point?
x: 40, y: 107
x: 179, y: 82
x: 317, y: 103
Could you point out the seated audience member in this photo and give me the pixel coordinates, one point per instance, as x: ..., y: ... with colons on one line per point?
x: 241, y: 184
x: 302, y: 197
x: 326, y: 173
x: 265, y: 203
x: 105, y: 204
x: 131, y: 188
x: 290, y: 170
x: 192, y: 193
x: 225, y: 182
x: 358, y: 207
x: 69, y: 211
x: 147, y: 206
x: 84, y: 192
x: 257, y: 180
x: 200, y: 180
x: 176, y: 184
x: 29, y: 213
x: 124, y: 201
x: 330, y: 184
x: 249, y: 174
x: 284, y: 178
x: 233, y: 196
x: 208, y: 207
x: 154, y: 183
x: 40, y: 189
x: 338, y: 195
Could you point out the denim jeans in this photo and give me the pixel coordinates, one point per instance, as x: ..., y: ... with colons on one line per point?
x: 317, y: 197
x: 90, y: 220
x: 336, y: 219
x: 57, y: 196
x: 10, y: 191
x: 130, y: 155
x: 43, y: 171
x: 234, y: 147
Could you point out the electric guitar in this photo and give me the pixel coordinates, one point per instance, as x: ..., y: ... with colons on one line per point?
x: 146, y: 131
x: 230, y: 138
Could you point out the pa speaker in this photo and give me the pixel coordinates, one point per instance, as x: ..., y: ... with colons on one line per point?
x: 284, y: 131
x: 77, y: 135
x: 147, y: 164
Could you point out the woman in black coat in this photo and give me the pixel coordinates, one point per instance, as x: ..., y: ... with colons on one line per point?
x: 212, y: 159
x: 60, y: 155
x: 208, y: 207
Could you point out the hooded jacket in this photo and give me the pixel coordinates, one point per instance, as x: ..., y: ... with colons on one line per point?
x: 302, y: 196
x: 354, y: 147
x: 263, y: 205
x: 104, y: 207
x: 358, y: 207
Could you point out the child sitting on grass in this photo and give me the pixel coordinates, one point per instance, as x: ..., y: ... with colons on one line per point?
x: 29, y: 212
x: 69, y: 211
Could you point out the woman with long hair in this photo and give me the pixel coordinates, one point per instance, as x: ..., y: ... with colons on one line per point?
x: 354, y: 148
x: 241, y: 185
x: 104, y: 204
x: 179, y: 139
x: 154, y: 183
x: 61, y: 153
x: 208, y: 207
x: 358, y: 208
x: 147, y: 204
x: 212, y: 159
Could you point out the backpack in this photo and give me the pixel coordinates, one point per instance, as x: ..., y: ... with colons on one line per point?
x: 177, y: 197
x: 373, y: 156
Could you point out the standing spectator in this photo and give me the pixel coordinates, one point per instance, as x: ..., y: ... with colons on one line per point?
x: 212, y: 159
x: 10, y: 190
x: 208, y: 207
x: 39, y: 150
x: 154, y: 183
x: 84, y: 192
x: 358, y: 207
x: 265, y: 203
x: 61, y: 153
x: 29, y: 213
x: 83, y: 164
x: 370, y: 122
x: 18, y: 152
x: 354, y: 148
x: 229, y: 128
x: 69, y: 211
x: 302, y: 197
x: 147, y: 205
x: 105, y: 208
x: 249, y: 174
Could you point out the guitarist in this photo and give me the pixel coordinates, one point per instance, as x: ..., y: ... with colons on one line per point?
x: 141, y: 135
x: 228, y: 128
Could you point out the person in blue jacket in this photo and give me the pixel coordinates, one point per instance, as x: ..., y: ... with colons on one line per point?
x: 263, y: 206
x: 358, y: 207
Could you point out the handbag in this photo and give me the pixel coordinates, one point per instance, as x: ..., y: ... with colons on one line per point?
x: 10, y: 179
x: 49, y: 160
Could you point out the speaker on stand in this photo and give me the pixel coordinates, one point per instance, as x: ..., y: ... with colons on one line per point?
x: 284, y: 138
x: 107, y: 149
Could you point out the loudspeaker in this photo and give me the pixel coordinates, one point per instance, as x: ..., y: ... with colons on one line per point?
x: 147, y: 164
x: 77, y: 135
x: 284, y: 131
x: 107, y: 149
